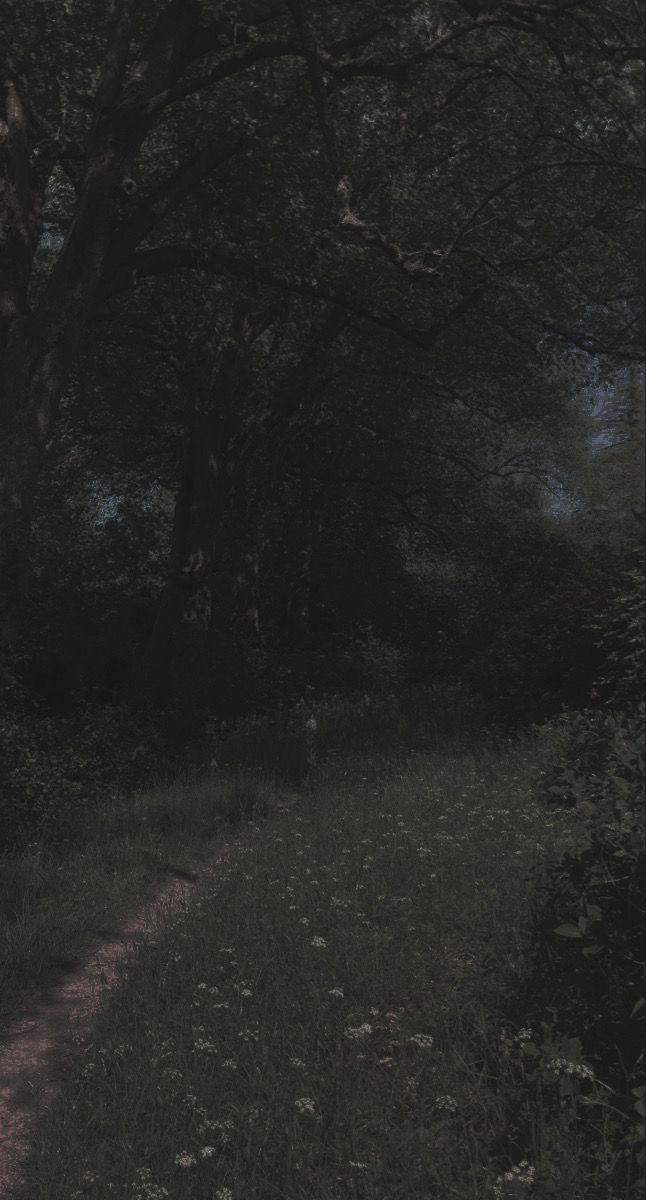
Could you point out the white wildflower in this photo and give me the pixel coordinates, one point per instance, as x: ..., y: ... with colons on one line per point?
x: 185, y: 1160
x: 423, y: 1040
x: 358, y: 1031
x: 562, y: 1066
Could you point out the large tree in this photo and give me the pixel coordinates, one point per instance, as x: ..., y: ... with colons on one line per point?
x: 437, y: 173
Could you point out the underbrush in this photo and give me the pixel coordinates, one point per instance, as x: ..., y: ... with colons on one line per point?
x: 325, y: 1018
x: 587, y: 981
x: 59, y: 775
x: 587, y: 977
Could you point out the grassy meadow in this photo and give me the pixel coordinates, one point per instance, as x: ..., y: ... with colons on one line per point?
x: 326, y: 1019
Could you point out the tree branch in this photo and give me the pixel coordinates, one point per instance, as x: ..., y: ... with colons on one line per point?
x: 182, y: 182
x: 226, y: 260
x: 233, y: 63
x: 116, y: 57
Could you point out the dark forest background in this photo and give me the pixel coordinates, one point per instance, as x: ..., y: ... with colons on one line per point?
x: 320, y: 368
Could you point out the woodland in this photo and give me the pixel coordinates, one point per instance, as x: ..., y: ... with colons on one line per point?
x: 321, y: 367
x: 322, y: 506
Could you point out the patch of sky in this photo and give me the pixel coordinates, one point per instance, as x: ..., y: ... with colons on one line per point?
x: 107, y: 503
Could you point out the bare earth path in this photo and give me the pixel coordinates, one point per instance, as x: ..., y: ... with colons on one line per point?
x: 37, y: 1051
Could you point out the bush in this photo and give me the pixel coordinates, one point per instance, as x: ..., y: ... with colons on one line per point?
x: 590, y: 910
x: 57, y: 771
x: 592, y: 904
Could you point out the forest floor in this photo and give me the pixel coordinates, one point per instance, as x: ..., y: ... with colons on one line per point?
x: 324, y: 1018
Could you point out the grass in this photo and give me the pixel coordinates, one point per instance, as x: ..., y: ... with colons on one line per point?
x: 324, y: 1020
x: 58, y: 903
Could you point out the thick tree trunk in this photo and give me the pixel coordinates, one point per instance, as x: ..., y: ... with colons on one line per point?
x: 178, y: 649
x: 38, y: 349
x: 39, y: 354
x: 178, y: 652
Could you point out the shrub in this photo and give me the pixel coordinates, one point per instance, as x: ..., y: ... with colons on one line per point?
x: 56, y: 771
x: 590, y: 909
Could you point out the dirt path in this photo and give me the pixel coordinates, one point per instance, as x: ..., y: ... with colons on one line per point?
x: 36, y: 1053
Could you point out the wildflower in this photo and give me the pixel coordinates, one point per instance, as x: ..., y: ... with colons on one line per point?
x: 150, y: 1190
x: 319, y: 941
x: 358, y: 1031
x: 306, y: 1105
x: 297, y: 1062
x: 507, y: 1185
x: 231, y: 1063
x: 423, y: 1040
x: 224, y: 1194
x: 446, y: 1104
x: 205, y: 1046
x: 185, y: 1160
x: 562, y: 1066
x: 207, y: 1151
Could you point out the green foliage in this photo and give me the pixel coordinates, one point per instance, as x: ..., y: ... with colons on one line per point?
x: 286, y: 744
x: 593, y: 902
x: 559, y: 1103
x: 590, y: 910
x: 58, y: 770
x: 623, y: 636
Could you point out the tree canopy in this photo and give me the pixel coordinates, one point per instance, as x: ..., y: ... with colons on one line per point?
x: 298, y: 303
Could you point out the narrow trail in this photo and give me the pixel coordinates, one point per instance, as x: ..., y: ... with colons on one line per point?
x: 37, y: 1051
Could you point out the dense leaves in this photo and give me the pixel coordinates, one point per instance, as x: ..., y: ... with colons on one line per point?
x: 301, y: 308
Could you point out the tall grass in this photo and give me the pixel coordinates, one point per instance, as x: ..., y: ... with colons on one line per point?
x: 57, y: 901
x: 323, y: 1021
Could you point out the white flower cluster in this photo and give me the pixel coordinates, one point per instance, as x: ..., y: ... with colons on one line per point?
x: 423, y: 1040
x: 521, y: 1176
x: 145, y: 1188
x: 516, y: 1039
x: 185, y: 1160
x: 562, y: 1066
x: 306, y: 1105
x: 445, y: 1103
x: 358, y: 1031
x: 205, y: 1046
